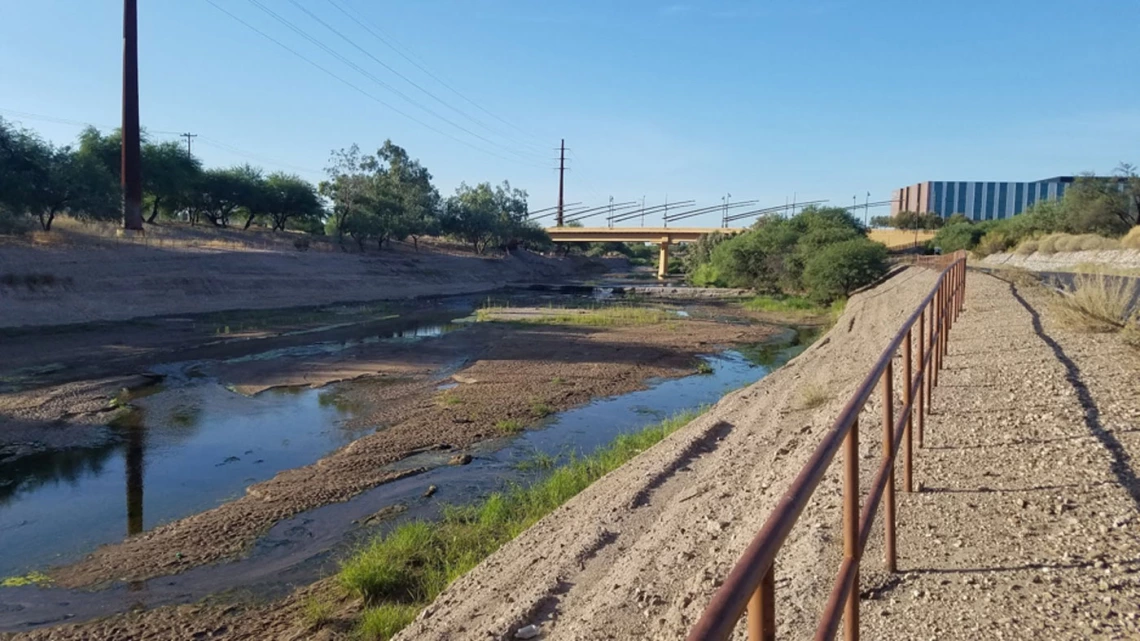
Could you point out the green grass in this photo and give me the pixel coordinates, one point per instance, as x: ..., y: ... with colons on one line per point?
x: 783, y: 304
x: 541, y: 409
x: 31, y: 578
x: 509, y: 426
x: 539, y: 461
x: 704, y: 368
x: 603, y: 316
x: 316, y: 613
x: 386, y: 621
x: 401, y: 572
x: 448, y: 399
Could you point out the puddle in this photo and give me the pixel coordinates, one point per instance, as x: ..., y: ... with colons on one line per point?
x: 305, y: 547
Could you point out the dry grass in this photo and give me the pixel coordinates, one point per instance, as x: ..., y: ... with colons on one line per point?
x: 813, y: 396
x: 1131, y: 240
x: 1098, y: 303
x: 1054, y: 243
x: 899, y: 238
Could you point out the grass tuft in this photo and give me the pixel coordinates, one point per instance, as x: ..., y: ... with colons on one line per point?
x: 813, y: 396
x: 509, y: 426
x: 401, y: 572
x: 1131, y: 240
x: 541, y: 409
x: 384, y: 622
x: 704, y: 368
x: 1098, y: 303
x: 316, y: 613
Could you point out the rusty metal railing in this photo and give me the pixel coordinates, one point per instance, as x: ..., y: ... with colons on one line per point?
x: 751, y: 585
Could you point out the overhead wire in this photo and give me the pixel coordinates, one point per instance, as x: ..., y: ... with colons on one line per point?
x: 397, y: 72
x: 364, y: 72
x: 363, y: 92
x: 392, y: 43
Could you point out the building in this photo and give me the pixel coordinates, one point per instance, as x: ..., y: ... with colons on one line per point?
x: 977, y: 200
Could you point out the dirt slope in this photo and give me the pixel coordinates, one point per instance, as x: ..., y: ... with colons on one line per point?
x: 638, y: 554
x: 101, y: 281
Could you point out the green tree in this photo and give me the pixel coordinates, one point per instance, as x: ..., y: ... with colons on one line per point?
x: 839, y: 269
x: 286, y: 197
x: 219, y: 194
x: 486, y: 216
x: 880, y: 222
x: 957, y: 219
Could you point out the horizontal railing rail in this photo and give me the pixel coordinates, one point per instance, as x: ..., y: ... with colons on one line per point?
x: 750, y: 586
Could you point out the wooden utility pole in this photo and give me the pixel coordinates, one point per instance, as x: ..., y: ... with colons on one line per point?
x: 188, y: 136
x: 561, y: 179
x: 132, y: 143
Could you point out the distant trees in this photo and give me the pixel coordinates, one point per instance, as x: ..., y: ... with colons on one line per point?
x: 485, y: 216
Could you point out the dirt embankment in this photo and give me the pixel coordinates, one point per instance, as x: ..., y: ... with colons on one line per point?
x: 1125, y: 259
x: 93, y: 280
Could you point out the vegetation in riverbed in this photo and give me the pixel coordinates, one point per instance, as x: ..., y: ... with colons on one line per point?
x: 704, y: 368
x: 509, y: 426
x: 31, y: 578
x: 600, y: 316
x: 541, y: 409
x: 813, y: 396
x: 399, y: 573
x: 784, y: 304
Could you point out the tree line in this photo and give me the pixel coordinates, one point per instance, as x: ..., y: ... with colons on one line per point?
x: 366, y: 198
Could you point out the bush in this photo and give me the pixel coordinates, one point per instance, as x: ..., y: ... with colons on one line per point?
x: 1098, y: 303
x: 837, y: 270
x: 13, y: 224
x: 1026, y: 248
x: 1132, y: 239
x: 994, y: 242
x: 954, y: 237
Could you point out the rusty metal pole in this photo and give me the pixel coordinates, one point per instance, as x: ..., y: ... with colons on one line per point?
x: 922, y: 372
x: 132, y: 137
x: 908, y: 397
x: 930, y: 355
x: 888, y: 452
x: 851, y: 528
x: 762, y: 609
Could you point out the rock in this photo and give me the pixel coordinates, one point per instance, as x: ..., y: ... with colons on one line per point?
x: 431, y: 490
x: 529, y: 632
x: 460, y: 459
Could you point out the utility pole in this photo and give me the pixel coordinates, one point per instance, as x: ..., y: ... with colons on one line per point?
x: 188, y: 136
x: 561, y: 179
x: 132, y: 143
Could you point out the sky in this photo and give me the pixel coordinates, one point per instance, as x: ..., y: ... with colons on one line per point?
x: 766, y: 100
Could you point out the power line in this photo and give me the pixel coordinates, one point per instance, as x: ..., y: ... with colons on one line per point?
x: 364, y: 72
x: 388, y: 41
x: 358, y: 89
x: 396, y: 72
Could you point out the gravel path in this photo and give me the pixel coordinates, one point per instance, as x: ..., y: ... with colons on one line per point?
x: 1027, y: 524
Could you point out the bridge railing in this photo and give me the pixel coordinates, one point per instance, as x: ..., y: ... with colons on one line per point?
x: 750, y: 586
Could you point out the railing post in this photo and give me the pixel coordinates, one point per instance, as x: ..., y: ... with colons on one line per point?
x: 762, y: 609
x: 930, y: 354
x: 908, y: 397
x: 851, y: 528
x: 922, y: 343
x: 888, y: 452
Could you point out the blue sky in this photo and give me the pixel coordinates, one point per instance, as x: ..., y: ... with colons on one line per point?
x: 691, y: 100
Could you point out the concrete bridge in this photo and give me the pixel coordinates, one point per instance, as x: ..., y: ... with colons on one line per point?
x: 663, y: 236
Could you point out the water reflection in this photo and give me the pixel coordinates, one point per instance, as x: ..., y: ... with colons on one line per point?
x: 183, y: 450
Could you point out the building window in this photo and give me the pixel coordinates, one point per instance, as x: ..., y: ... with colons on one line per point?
x: 936, y: 202
x: 990, y: 201
x: 1003, y: 200
x: 977, y: 201
x: 961, y: 207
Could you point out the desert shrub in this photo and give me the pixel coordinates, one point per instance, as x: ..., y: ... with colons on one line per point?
x: 1098, y: 303
x: 1026, y: 247
x: 837, y: 270
x: 1131, y: 240
x: 994, y: 242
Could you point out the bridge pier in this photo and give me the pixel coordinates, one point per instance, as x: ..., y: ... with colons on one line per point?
x: 663, y: 259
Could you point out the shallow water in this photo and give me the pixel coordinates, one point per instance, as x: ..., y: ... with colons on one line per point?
x: 305, y: 547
